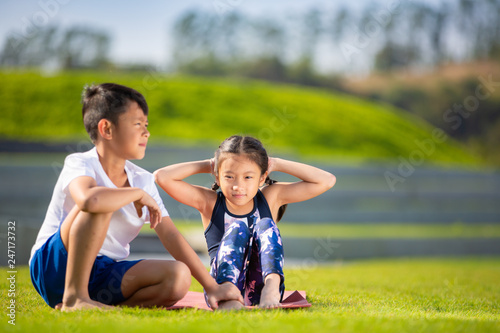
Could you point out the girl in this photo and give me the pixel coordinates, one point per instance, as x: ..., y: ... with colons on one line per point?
x: 243, y: 240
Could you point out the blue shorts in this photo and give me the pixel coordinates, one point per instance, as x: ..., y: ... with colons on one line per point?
x: 48, y: 273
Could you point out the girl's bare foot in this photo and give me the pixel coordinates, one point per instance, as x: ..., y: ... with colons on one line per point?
x: 230, y: 305
x: 270, y: 295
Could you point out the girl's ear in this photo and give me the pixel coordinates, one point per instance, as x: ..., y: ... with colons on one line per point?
x: 263, y: 178
x: 105, y: 129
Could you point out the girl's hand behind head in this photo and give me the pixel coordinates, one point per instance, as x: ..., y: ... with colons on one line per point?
x: 212, y: 166
x: 271, y: 164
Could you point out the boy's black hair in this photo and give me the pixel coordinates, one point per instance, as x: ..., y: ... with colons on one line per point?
x: 107, y: 101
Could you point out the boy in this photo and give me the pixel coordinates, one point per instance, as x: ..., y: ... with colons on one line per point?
x: 99, y: 204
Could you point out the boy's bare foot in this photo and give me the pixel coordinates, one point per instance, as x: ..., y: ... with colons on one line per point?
x: 270, y: 295
x: 81, y: 304
x: 230, y: 305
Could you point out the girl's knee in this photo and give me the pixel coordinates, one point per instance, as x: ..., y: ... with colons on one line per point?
x: 265, y: 224
x: 237, y: 226
x: 237, y: 233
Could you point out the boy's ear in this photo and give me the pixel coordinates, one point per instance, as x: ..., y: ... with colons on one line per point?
x: 105, y: 129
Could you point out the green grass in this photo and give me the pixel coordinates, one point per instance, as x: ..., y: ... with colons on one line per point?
x: 186, y: 110
x: 376, y: 230
x: 406, y: 295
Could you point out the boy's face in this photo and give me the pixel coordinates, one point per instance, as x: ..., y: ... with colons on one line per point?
x: 130, y: 136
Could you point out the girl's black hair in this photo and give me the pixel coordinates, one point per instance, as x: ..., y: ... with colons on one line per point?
x: 253, y: 149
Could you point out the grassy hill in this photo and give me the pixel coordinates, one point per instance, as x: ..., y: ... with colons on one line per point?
x: 431, y: 93
x: 310, y: 122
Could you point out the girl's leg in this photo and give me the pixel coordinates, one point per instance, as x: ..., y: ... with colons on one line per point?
x: 83, y: 235
x: 230, y: 262
x: 270, y: 250
x: 231, y: 255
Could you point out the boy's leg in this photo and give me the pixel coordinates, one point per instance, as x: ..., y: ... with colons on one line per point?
x: 83, y: 235
x: 270, y: 249
x: 155, y: 283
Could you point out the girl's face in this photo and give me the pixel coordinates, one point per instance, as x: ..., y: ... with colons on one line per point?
x: 239, y: 179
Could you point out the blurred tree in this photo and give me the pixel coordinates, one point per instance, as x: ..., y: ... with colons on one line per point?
x: 338, y: 24
x: 479, y: 21
x: 417, y: 34
x: 394, y: 56
x: 268, y: 40
x: 208, y: 44
x: 187, y: 33
x: 36, y: 50
x: 54, y: 47
x: 437, y: 33
x: 232, y: 45
x: 266, y: 68
x: 312, y: 29
x: 83, y: 47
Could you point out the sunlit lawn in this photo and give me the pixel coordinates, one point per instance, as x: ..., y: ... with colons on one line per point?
x: 403, y: 295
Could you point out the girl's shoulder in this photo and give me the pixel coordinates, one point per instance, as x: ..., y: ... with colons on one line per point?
x: 270, y: 192
x: 275, y: 187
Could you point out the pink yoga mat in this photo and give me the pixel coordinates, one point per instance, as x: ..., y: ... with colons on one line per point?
x: 291, y: 300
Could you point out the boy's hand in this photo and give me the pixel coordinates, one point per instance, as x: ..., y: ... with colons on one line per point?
x: 223, y: 292
x: 152, y: 205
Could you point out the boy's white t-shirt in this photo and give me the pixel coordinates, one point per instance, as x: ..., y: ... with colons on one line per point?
x: 125, y: 223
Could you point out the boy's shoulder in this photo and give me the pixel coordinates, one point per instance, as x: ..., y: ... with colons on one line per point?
x: 80, y: 158
x: 89, y: 154
x: 89, y: 160
x: 135, y: 169
x: 140, y: 177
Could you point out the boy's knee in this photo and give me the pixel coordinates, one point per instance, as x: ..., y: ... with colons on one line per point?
x: 179, y: 282
x: 98, y: 217
x: 85, y: 218
x: 184, y: 274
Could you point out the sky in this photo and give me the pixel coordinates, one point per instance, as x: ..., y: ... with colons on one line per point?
x: 140, y: 29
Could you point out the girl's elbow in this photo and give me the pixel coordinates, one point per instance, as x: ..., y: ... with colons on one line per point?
x: 156, y: 175
x: 331, y: 180
x: 164, y: 179
x: 159, y: 177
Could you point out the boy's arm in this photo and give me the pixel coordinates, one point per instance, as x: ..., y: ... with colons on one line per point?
x: 99, y: 199
x: 314, y: 182
x: 179, y: 248
x: 171, y: 180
